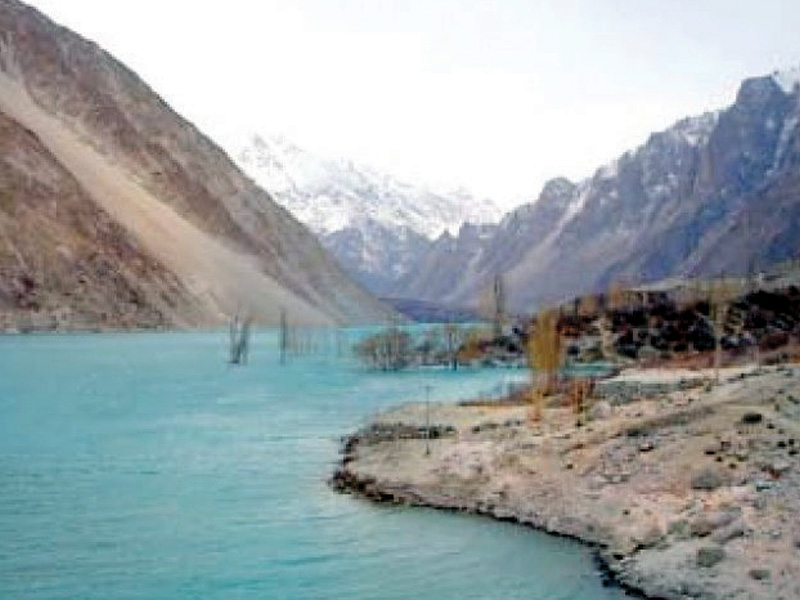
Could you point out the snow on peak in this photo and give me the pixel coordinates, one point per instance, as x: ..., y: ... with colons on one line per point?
x: 788, y: 79
x: 609, y: 171
x: 696, y: 130
x: 330, y: 195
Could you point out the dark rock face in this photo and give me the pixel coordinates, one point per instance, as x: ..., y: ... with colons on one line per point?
x: 766, y: 319
x: 712, y: 194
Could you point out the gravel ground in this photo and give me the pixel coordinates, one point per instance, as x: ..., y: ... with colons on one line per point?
x: 692, y: 493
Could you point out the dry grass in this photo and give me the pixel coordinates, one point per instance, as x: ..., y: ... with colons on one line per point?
x: 578, y: 395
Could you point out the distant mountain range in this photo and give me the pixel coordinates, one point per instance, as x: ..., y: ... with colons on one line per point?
x: 714, y: 194
x: 117, y: 212
x: 375, y: 225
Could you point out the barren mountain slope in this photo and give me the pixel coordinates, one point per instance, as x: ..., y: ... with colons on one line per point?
x: 63, y: 261
x: 186, y: 206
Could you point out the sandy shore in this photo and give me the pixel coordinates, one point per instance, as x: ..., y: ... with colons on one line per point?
x: 693, y: 493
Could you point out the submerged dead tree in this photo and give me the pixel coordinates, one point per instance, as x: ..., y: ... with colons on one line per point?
x: 283, y: 340
x: 388, y: 350
x: 499, y: 296
x: 454, y: 336
x: 239, y: 339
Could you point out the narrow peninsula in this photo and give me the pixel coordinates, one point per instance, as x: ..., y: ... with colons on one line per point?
x: 687, y: 486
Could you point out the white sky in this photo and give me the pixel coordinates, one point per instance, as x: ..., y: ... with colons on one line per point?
x: 497, y: 96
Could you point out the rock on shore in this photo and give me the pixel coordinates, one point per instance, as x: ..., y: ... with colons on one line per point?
x: 692, y: 493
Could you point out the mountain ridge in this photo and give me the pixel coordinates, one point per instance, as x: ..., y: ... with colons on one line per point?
x: 374, y: 224
x: 672, y: 206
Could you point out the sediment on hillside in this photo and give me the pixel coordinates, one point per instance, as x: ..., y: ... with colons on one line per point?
x: 117, y: 213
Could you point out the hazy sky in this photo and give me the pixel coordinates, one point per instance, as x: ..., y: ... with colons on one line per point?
x: 497, y: 96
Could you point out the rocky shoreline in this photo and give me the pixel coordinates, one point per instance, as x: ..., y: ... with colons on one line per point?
x: 346, y: 482
x: 691, y: 493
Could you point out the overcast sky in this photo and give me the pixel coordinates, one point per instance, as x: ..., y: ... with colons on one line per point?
x: 497, y: 96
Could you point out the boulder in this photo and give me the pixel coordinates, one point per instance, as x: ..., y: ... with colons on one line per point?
x: 706, y: 523
x: 752, y: 418
x: 709, y: 556
x: 600, y: 410
x: 725, y: 534
x: 680, y: 529
x: 647, y: 446
x: 708, y: 479
x: 649, y: 537
x: 778, y: 468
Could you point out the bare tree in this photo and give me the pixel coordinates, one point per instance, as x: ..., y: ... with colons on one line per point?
x: 499, y: 298
x: 388, y: 350
x: 283, y: 340
x: 239, y: 339
x: 454, y: 336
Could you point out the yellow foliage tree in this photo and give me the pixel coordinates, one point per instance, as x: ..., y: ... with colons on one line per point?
x: 617, y: 297
x: 588, y: 306
x: 544, y: 357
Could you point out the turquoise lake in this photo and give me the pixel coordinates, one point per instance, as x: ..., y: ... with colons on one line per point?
x: 145, y: 466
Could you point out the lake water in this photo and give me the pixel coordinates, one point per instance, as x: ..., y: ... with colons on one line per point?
x: 144, y: 466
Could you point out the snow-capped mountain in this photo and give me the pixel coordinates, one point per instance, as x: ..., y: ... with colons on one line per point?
x: 376, y: 226
x: 712, y: 194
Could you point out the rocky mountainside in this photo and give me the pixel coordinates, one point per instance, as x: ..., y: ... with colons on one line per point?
x: 116, y: 212
x: 719, y: 193
x: 461, y: 267
x: 376, y: 226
